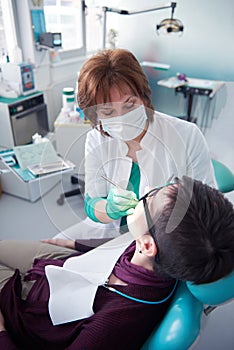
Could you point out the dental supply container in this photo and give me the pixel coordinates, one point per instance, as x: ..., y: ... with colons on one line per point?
x: 68, y: 98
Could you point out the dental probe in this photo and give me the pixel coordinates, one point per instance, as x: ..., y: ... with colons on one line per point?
x: 111, y: 182
x: 116, y: 185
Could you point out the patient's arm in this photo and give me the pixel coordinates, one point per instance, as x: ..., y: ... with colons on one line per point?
x: 82, y: 245
x: 66, y: 243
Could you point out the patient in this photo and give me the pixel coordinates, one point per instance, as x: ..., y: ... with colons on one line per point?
x: 182, y: 231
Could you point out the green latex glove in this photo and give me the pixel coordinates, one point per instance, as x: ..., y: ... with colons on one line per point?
x: 120, y: 203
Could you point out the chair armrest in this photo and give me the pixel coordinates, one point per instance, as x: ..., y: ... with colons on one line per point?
x: 181, y: 324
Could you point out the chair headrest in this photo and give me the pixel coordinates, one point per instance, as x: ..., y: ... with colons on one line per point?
x: 214, y: 293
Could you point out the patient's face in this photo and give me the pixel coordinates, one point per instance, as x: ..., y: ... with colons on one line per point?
x: 137, y: 223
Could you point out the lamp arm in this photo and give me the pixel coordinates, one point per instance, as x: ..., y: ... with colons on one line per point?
x: 126, y: 12
x: 173, y: 6
x: 106, y: 9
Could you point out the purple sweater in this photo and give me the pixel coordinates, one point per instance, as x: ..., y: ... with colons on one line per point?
x: 118, y: 323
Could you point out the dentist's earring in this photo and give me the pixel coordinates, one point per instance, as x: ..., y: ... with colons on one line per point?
x: 140, y: 251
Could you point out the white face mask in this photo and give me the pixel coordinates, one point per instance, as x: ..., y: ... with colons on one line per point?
x: 126, y: 127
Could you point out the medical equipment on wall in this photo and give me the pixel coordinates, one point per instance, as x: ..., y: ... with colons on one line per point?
x: 168, y: 25
x: 20, y: 76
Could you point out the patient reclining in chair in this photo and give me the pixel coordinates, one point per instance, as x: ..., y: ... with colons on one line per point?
x: 55, y: 296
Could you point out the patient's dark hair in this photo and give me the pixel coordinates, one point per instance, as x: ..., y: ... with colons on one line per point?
x: 200, y: 248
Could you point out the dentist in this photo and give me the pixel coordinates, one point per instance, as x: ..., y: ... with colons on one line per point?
x: 130, y: 143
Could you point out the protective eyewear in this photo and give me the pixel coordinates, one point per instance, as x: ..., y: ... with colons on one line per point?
x: 148, y: 216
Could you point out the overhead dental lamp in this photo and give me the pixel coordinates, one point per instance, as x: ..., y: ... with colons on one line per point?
x: 168, y: 25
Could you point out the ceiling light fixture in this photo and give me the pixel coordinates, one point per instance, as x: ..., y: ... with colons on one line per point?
x: 169, y: 25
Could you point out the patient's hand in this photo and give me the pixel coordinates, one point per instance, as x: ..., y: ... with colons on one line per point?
x: 66, y: 243
x: 2, y: 323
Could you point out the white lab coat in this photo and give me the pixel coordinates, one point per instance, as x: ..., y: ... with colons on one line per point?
x: 170, y: 146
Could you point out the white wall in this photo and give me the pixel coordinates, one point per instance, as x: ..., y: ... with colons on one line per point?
x: 205, y: 51
x: 51, y: 79
x: 206, y: 47
x: 220, y: 136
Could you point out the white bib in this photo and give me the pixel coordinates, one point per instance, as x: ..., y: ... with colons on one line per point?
x: 73, y: 287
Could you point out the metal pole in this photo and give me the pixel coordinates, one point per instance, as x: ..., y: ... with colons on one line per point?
x: 104, y: 28
x: 84, y: 25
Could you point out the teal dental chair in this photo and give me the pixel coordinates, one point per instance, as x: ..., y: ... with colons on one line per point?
x: 181, y: 325
x: 182, y: 322
x: 224, y: 176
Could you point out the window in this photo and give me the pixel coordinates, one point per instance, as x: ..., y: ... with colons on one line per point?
x: 8, y: 40
x: 79, y: 21
x: 2, y: 30
x: 94, y: 25
x: 66, y: 17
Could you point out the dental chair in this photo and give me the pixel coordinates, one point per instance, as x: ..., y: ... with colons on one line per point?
x: 224, y: 176
x: 192, y: 304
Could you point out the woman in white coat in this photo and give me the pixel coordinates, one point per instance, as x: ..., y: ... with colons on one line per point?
x: 130, y: 143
